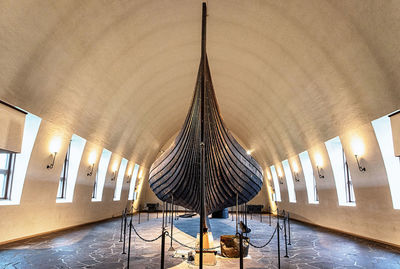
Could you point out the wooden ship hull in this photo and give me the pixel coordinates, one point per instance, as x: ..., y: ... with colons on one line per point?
x: 205, y: 166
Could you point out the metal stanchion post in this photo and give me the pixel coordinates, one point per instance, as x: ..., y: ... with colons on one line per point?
x: 172, y: 224
x: 269, y: 214
x: 288, y: 221
x: 163, y: 209
x: 261, y: 215
x: 245, y: 216
x: 162, y: 248
x: 170, y: 209
x: 232, y: 212
x: 166, y: 214
x: 279, y: 244
x: 129, y: 241
x: 123, y: 247
x: 241, y: 250
x: 284, y: 227
x: 148, y: 214
x: 237, y: 211
x: 122, y: 224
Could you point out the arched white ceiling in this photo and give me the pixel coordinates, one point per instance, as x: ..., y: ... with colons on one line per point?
x: 287, y: 74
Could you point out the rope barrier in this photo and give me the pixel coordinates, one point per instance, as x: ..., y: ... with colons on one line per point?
x: 186, y: 246
x: 146, y: 240
x: 269, y: 241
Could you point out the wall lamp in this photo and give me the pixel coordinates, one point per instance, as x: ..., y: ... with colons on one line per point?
x: 358, y: 150
x: 280, y: 175
x: 114, y: 170
x: 92, y: 161
x: 296, y: 171
x: 129, y: 177
x: 55, y: 145
x: 320, y: 163
x: 269, y: 175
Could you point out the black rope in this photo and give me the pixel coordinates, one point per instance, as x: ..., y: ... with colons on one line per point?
x: 146, y: 240
x: 269, y: 241
x: 186, y: 246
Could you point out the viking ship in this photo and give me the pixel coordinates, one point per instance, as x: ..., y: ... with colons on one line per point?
x: 205, y: 168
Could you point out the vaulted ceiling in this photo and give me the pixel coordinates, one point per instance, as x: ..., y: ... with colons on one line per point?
x: 287, y: 74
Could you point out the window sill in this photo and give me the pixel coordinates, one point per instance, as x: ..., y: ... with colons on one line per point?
x: 348, y: 204
x: 7, y: 202
x: 63, y: 201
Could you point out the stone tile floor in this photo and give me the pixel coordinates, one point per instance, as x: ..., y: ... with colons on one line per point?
x: 98, y: 246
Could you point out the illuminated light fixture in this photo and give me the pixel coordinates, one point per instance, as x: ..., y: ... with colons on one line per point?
x: 296, y: 171
x: 269, y: 175
x: 129, y: 175
x: 92, y: 161
x: 248, y: 152
x: 114, y: 170
x: 358, y: 150
x: 280, y: 175
x: 55, y: 146
x: 140, y: 174
x: 320, y: 163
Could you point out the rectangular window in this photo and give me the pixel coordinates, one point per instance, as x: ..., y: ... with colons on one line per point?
x: 62, y: 185
x: 94, y: 192
x: 289, y: 181
x: 384, y: 135
x: 341, y: 172
x: 70, y: 169
x: 276, y: 184
x: 7, y: 161
x: 120, y: 179
x: 311, y: 184
x: 348, y: 183
x: 101, y: 175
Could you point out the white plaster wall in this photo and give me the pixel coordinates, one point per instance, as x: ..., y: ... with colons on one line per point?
x: 38, y: 211
x: 373, y: 216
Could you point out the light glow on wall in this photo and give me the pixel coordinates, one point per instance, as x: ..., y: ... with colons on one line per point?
x: 318, y: 160
x: 92, y: 158
x: 55, y: 145
x: 357, y: 146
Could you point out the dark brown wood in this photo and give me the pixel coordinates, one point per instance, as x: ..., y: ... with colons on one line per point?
x: 228, y: 169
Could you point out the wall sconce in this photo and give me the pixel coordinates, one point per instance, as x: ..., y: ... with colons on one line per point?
x: 114, y: 169
x: 141, y: 174
x: 296, y: 171
x: 92, y: 160
x: 128, y: 179
x: 248, y: 152
x: 269, y: 175
x: 320, y: 162
x: 358, y: 150
x: 280, y: 175
x: 55, y: 146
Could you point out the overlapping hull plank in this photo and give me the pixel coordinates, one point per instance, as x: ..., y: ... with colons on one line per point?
x: 229, y: 170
